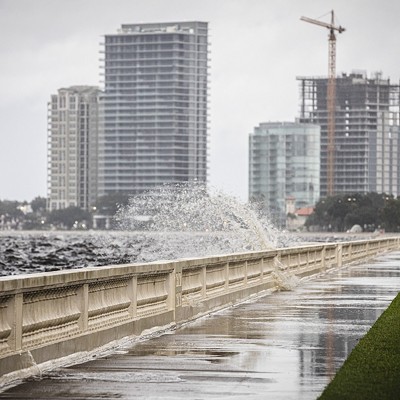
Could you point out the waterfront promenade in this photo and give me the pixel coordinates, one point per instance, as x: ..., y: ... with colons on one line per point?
x: 286, y: 345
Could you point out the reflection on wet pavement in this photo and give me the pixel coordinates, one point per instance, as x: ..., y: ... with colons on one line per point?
x: 283, y: 346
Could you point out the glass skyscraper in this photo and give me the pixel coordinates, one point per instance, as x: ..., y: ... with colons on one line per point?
x: 154, y: 107
x: 284, y: 162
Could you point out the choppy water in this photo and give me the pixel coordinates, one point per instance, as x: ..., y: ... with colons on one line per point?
x: 29, y: 252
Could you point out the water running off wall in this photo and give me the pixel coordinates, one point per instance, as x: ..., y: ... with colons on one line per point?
x: 284, y: 278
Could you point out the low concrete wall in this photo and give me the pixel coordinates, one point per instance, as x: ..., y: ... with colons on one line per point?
x: 47, y: 316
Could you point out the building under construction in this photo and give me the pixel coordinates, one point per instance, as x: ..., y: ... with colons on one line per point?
x: 366, y: 138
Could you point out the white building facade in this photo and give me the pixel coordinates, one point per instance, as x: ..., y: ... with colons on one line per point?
x: 73, y: 147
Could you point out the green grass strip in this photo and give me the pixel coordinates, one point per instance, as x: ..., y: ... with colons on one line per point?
x: 372, y: 371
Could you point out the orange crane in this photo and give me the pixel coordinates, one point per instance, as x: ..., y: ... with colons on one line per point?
x: 331, y: 97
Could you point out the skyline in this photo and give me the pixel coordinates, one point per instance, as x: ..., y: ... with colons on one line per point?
x: 257, y: 50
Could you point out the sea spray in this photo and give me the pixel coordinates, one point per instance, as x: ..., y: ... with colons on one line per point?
x: 189, y: 220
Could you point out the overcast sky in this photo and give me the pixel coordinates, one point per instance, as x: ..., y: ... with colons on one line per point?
x: 258, y: 47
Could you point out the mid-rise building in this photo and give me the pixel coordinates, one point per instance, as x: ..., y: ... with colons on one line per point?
x: 366, y: 140
x: 73, y: 147
x: 154, y: 107
x: 284, y: 161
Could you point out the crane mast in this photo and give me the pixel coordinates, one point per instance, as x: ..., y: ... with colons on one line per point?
x: 331, y: 97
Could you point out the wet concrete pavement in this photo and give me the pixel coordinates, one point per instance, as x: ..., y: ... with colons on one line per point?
x: 287, y: 345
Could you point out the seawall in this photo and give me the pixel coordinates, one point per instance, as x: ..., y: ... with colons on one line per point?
x: 48, y: 316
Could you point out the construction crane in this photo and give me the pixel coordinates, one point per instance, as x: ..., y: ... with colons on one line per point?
x: 331, y: 96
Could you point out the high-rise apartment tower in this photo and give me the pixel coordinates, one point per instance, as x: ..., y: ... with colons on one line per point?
x: 154, y: 108
x: 72, y: 147
x: 284, y: 162
x: 366, y: 140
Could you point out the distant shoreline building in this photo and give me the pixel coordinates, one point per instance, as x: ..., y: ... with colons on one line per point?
x: 367, y: 135
x: 284, y: 161
x: 154, y: 111
x: 73, y: 147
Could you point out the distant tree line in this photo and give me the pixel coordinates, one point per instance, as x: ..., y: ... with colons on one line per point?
x: 34, y: 215
x: 336, y: 213
x: 371, y: 211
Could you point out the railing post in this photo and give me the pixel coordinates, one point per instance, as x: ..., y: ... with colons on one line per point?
x: 15, y: 316
x: 176, y: 291
x: 323, y: 261
x: 83, y: 305
x: 132, y: 294
x: 262, y: 269
x: 339, y: 255
x: 226, y: 275
x: 204, y: 281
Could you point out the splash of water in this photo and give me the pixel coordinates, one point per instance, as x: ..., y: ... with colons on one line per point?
x: 189, y: 221
x: 284, y: 278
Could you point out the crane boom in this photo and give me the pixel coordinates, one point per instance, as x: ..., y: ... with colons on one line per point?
x: 339, y: 28
x: 331, y: 98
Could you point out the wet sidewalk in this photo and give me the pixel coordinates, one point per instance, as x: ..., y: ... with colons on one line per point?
x: 287, y: 345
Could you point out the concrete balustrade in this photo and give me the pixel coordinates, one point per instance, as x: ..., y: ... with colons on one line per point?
x: 47, y: 316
